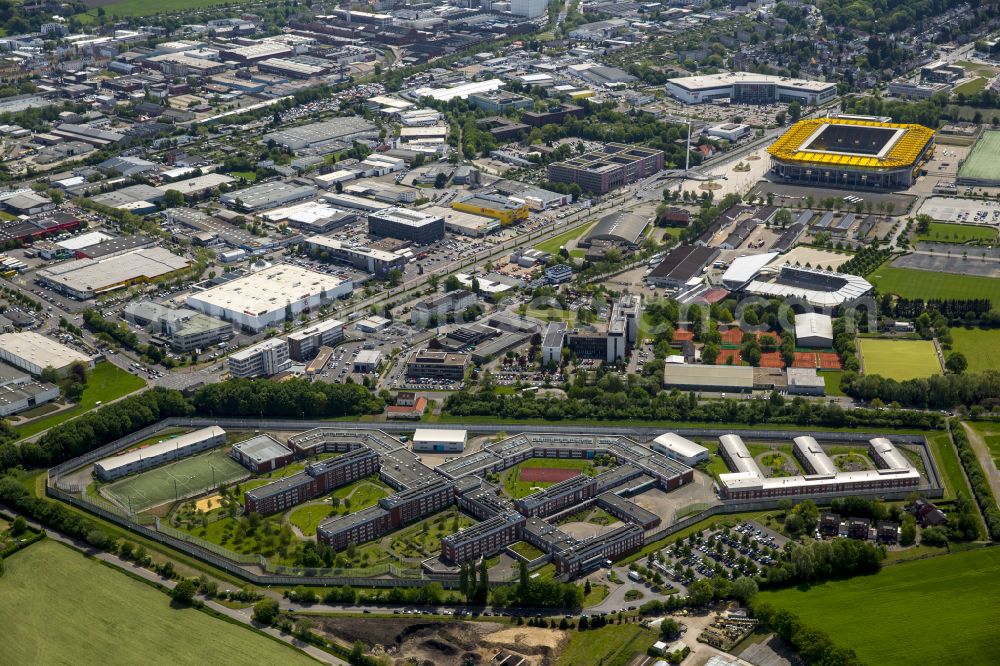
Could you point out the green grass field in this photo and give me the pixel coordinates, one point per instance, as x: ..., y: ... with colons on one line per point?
x: 61, y: 608
x: 525, y: 549
x: 981, y: 162
x: 553, y: 244
x: 194, y: 474
x: 352, y: 498
x: 105, y: 383
x: 423, y: 539
x: 930, y: 611
x: 948, y: 465
x: 611, y: 645
x: 980, y: 346
x: 943, y: 232
x: 832, y: 378
x: 899, y: 359
x: 517, y: 489
x: 911, y: 283
x: 307, y: 518
x: 971, y: 87
x: 146, y: 8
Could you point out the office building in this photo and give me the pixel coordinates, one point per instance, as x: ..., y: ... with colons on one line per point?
x: 376, y: 262
x: 405, y: 224
x: 553, y: 342
x: 436, y: 365
x: 528, y: 8
x: 263, y: 359
x: 303, y: 344
x: 436, y: 311
x: 602, y: 170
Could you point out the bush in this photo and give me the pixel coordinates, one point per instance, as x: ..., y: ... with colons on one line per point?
x: 265, y: 611
x: 183, y: 593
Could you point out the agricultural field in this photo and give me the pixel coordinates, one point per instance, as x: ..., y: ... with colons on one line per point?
x: 980, y: 346
x: 517, y: 488
x: 184, y: 477
x: 899, y: 359
x: 942, y: 232
x: 60, y: 607
x: 929, y: 611
x: 912, y: 283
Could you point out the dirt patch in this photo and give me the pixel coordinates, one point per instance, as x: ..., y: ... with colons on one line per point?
x: 710, y: 186
x: 206, y: 504
x: 446, y: 643
x: 547, y: 474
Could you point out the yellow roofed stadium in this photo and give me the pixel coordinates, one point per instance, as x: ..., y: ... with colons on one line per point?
x: 851, y: 152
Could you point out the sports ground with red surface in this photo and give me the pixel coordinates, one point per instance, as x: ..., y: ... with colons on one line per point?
x: 547, y: 474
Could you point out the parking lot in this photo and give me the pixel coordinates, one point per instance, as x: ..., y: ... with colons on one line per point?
x: 966, y: 211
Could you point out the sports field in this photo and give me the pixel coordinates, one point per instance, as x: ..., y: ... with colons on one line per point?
x: 912, y: 283
x: 899, y: 359
x: 944, y: 232
x: 933, y: 611
x: 192, y: 475
x: 517, y: 486
x: 982, y: 161
x: 980, y: 346
x: 61, y: 608
x: 553, y: 244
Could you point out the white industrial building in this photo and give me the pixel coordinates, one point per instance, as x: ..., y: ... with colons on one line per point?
x: 146, y: 457
x: 749, y: 88
x: 33, y: 352
x: 86, y: 278
x: 438, y: 440
x: 729, y: 131
x: 813, y: 330
x: 266, y: 298
x: 263, y: 359
x: 18, y: 391
x: 367, y: 361
x: 679, y: 448
x: 744, y: 269
x: 528, y: 8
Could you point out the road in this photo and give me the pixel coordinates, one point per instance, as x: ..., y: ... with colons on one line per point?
x: 985, y: 458
x: 615, y: 601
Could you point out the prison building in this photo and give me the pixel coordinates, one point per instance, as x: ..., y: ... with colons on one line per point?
x: 736, y: 455
x: 558, y: 497
x: 484, y: 503
x: 591, y: 553
x: 545, y: 536
x: 482, y: 540
x: 813, y: 458
x: 628, y: 511
x: 137, y: 460
x: 887, y: 456
x: 354, y: 528
x: 262, y: 454
x: 417, y: 502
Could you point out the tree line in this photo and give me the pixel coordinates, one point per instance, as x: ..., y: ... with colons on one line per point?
x: 934, y: 392
x: 812, y: 645
x: 293, y: 398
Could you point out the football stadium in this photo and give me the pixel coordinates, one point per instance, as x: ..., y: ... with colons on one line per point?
x: 851, y: 153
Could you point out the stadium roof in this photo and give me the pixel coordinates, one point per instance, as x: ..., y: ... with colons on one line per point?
x: 867, y: 144
x: 817, y: 287
x: 743, y: 269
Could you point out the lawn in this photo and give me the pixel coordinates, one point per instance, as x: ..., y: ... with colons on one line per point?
x: 990, y: 433
x: 832, y: 378
x: 931, y: 611
x: 911, y: 283
x: 525, y: 549
x: 184, y: 477
x: 980, y: 346
x: 943, y: 232
x: 105, y: 383
x: 597, y: 594
x: 553, y: 244
x: 971, y: 87
x: 611, y: 645
x: 60, y: 607
x: 423, y: 539
x: 517, y: 489
x: 899, y: 359
x: 307, y: 518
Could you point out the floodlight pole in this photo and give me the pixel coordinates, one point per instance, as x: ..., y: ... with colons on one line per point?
x: 687, y: 153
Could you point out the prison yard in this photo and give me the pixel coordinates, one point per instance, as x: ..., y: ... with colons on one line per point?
x: 899, y: 359
x: 62, y: 607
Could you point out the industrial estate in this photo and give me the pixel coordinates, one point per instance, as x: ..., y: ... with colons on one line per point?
x: 527, y: 333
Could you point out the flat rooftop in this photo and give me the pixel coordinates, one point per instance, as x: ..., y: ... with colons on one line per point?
x: 90, y: 275
x: 39, y: 350
x: 175, y: 443
x: 268, y: 289
x: 262, y: 448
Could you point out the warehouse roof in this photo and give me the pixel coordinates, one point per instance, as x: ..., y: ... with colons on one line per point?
x: 708, y: 376
x: 161, y: 447
x: 39, y: 350
x: 684, y: 262
x: 268, y: 290
x: 439, y: 435
x: 94, y: 276
x: 619, y: 227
